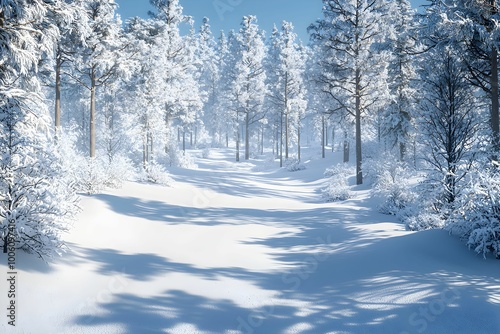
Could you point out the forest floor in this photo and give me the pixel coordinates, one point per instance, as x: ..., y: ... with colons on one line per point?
x: 251, y: 248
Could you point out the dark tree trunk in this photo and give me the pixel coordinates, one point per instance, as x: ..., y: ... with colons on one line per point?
x: 323, y: 141
x: 57, y: 116
x: 494, y: 101
x: 93, y: 87
x: 359, y: 155
x: 247, y: 132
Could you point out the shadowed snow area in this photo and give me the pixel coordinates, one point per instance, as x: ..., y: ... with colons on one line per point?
x: 250, y: 248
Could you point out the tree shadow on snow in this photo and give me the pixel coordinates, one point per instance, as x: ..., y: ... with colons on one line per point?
x: 337, y: 277
x: 342, y: 280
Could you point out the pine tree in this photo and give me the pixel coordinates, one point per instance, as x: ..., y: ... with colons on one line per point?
x: 208, y: 72
x: 176, y: 66
x: 249, y: 87
x: 98, y: 63
x: 354, y: 66
x: 474, y: 26
x: 35, y: 200
x: 398, y: 116
x: 448, y: 124
x: 286, y: 64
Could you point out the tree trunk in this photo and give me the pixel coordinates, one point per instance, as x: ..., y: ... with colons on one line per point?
x: 238, y: 135
x: 110, y: 127
x: 195, y: 136
x: 262, y: 141
x: 346, y: 151
x: 286, y: 136
x: 92, y: 110
x: 247, y: 139
x: 281, y: 140
x: 145, y: 145
x: 298, y: 141
x: 359, y: 155
x: 327, y: 137
x: 323, y: 141
x: 402, y: 151
x: 184, y: 141
x: 151, y: 151
x: 286, y: 115
x: 333, y: 139
x: 277, y: 140
x: 57, y: 116
x: 494, y: 101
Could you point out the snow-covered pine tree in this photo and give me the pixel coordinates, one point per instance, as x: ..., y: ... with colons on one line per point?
x: 448, y: 125
x: 176, y: 67
x: 146, y: 88
x: 353, y: 64
x: 98, y: 60
x: 271, y: 107
x: 249, y: 86
x: 221, y: 122
x: 35, y: 201
x: 286, y: 92
x: 474, y: 25
x: 73, y: 25
x: 398, y: 116
x: 208, y: 78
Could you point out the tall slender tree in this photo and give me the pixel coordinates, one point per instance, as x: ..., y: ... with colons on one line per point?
x: 176, y: 66
x: 287, y: 90
x: 403, y: 45
x: 249, y: 87
x: 354, y: 66
x: 98, y: 56
x: 474, y: 25
x: 448, y: 123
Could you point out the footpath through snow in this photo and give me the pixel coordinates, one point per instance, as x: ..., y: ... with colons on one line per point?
x: 231, y: 249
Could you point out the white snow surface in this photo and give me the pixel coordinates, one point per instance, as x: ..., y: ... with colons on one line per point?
x: 250, y: 248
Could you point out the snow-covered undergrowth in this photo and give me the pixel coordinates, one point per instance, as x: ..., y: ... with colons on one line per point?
x: 155, y: 173
x: 392, y: 184
x: 294, y: 165
x: 119, y: 170
x: 477, y: 218
x: 93, y: 175
x: 337, y: 188
x: 180, y: 158
x: 206, y: 153
x: 90, y: 175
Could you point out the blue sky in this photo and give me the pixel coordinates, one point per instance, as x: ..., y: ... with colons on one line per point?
x: 227, y: 14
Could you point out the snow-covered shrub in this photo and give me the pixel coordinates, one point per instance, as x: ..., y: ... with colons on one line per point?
x: 185, y: 160
x: 268, y: 162
x: 156, y: 173
x: 179, y: 158
x: 425, y: 211
x: 420, y: 220
x: 392, y: 185
x: 119, y: 170
x: 90, y: 176
x: 337, y: 188
x: 339, y: 169
x: 477, y: 217
x: 206, y: 153
x: 37, y: 202
x: 294, y: 165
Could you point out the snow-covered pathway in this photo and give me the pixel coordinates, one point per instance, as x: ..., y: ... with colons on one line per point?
x: 231, y: 250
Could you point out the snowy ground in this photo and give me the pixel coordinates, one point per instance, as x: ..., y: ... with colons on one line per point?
x: 240, y: 248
